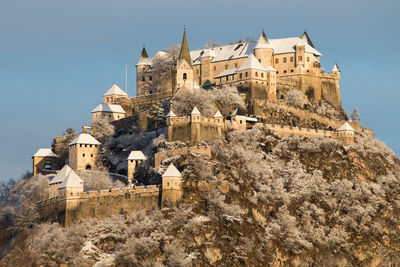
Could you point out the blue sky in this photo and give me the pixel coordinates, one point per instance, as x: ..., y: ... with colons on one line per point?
x: 57, y: 58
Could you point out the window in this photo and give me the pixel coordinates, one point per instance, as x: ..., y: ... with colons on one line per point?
x: 197, y: 71
x: 284, y: 71
x: 226, y: 67
x: 215, y: 68
x: 80, y: 145
x: 83, y: 155
x: 256, y: 74
x: 308, y: 59
x: 291, y: 70
x: 240, y: 76
x: 284, y: 60
x: 227, y: 78
x: 246, y: 74
x: 91, y: 155
x: 150, y: 78
x: 277, y: 72
x: 85, y: 145
x: 300, y: 58
x: 241, y: 121
x: 185, y: 76
x: 259, y: 60
x: 291, y: 59
x: 262, y: 74
x: 277, y: 61
x: 143, y: 79
x: 235, y: 65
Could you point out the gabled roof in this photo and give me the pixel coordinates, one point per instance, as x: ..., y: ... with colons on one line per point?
x: 184, y: 53
x: 115, y: 90
x: 144, y: 59
x: 195, y: 111
x: 109, y: 108
x: 71, y: 180
x: 227, y: 72
x: 172, y: 171
x: 61, y: 175
x: 136, y: 155
x: 45, y: 152
x: 218, y: 115
x: 346, y: 127
x: 171, y: 114
x: 263, y: 41
x: 335, y: 68
x: 84, y: 138
x: 251, y: 63
x: 307, y: 39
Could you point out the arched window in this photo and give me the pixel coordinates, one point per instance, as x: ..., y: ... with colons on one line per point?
x: 143, y: 78
x: 88, y: 167
x: 185, y: 76
x: 47, y: 166
x: 256, y: 74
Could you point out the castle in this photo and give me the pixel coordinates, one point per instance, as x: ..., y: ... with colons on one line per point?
x: 262, y: 71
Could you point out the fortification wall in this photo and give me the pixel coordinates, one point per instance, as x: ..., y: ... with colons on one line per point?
x: 160, y: 156
x: 296, y: 131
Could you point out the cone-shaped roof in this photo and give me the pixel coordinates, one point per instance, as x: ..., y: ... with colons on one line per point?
x: 136, y: 155
x: 171, y: 114
x: 61, y: 175
x: 72, y: 180
x: 335, y: 68
x: 144, y: 58
x: 346, y: 127
x: 115, y: 90
x: 263, y: 41
x: 195, y: 111
x: 185, y: 54
x: 218, y: 115
x: 84, y: 138
x: 307, y: 38
x: 251, y: 63
x: 172, y: 171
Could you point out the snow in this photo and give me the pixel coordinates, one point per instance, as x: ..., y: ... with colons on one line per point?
x: 171, y: 114
x: 218, y: 115
x: 45, y: 152
x: 335, y: 68
x: 136, y: 155
x: 115, y: 90
x: 172, y: 171
x: 195, y: 111
x: 346, y: 127
x: 251, y: 63
x: 71, y: 180
x: 263, y: 43
x: 109, y: 108
x: 84, y: 138
x: 61, y: 175
x: 227, y: 72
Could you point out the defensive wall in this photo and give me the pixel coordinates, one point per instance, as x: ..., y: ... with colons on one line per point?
x: 160, y: 156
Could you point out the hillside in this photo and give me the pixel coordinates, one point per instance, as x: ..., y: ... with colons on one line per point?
x: 293, y: 201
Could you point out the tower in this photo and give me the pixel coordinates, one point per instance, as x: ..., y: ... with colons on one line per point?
x: 172, y: 189
x: 170, y: 121
x: 44, y: 160
x: 134, y: 159
x: 184, y: 68
x: 109, y: 112
x: 307, y: 39
x: 57, y: 180
x: 142, y: 66
x: 264, y: 51
x: 83, y: 152
x: 114, y: 93
x: 346, y: 134
x: 195, y: 118
x: 336, y: 71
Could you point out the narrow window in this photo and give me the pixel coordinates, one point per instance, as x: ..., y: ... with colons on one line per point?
x: 277, y: 61
x: 300, y: 58
x: 85, y: 145
x: 227, y: 78
x: 240, y: 76
x: 256, y: 74
x: 150, y: 78
x: 143, y: 79
x: 226, y: 67
x: 246, y: 74
x: 284, y: 60
x: 80, y: 145
x: 83, y: 155
x: 262, y: 74
x: 259, y: 60
x: 308, y: 59
x: 197, y: 71
x: 91, y: 155
x: 235, y: 65
x: 215, y: 68
x: 185, y: 76
x: 291, y: 59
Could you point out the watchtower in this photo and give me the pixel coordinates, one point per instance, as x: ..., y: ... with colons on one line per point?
x: 172, y: 190
x: 83, y: 152
x: 134, y: 159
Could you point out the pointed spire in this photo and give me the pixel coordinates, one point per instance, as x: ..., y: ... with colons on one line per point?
x: 218, y: 115
x: 263, y: 41
x: 171, y: 114
x: 172, y: 171
x: 335, y: 68
x: 185, y: 54
x: 307, y: 38
x: 144, y: 58
x: 195, y: 111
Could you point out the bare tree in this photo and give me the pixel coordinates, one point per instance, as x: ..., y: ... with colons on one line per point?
x: 212, y: 44
x: 227, y: 99
x: 102, y: 128
x: 354, y: 115
x: 156, y: 113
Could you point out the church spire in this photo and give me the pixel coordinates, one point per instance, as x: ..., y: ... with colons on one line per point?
x: 144, y: 58
x: 185, y: 54
x: 144, y: 53
x: 307, y: 38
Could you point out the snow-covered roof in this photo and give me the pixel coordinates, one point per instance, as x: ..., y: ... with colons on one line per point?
x: 136, y: 155
x: 144, y: 58
x: 346, y: 127
x: 335, y: 68
x: 171, y: 114
x: 109, y: 108
x: 195, y: 111
x: 251, y: 63
x: 238, y: 111
x: 263, y: 42
x: 224, y: 52
x: 287, y: 45
x: 227, y: 72
x: 84, y: 138
x: 115, y: 90
x: 251, y: 119
x: 270, y: 68
x: 172, y: 171
x: 71, y: 180
x: 61, y: 175
x: 45, y: 152
x: 218, y: 115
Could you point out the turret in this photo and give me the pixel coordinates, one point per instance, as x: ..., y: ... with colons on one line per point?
x: 172, y: 189
x: 184, y: 72
x: 336, y: 71
x: 109, y: 112
x: 44, y: 160
x: 346, y: 134
x: 142, y: 66
x: 71, y: 186
x: 114, y: 93
x: 134, y: 159
x: 83, y: 152
x: 307, y: 39
x: 238, y: 119
x: 57, y: 180
x: 195, y: 118
x: 263, y: 50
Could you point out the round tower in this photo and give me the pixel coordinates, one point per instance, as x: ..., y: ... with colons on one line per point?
x: 263, y: 51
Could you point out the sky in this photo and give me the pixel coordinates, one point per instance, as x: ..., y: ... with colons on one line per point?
x: 57, y: 58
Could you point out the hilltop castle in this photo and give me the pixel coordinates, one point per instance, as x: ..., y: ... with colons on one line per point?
x: 263, y: 72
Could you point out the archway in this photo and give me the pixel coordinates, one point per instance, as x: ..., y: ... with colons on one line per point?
x: 88, y: 167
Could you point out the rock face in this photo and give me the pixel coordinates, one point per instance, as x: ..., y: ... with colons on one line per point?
x: 292, y: 201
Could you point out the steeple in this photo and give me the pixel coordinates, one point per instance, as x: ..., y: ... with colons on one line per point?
x: 144, y: 58
x: 263, y: 41
x: 335, y: 68
x: 307, y: 38
x: 185, y: 54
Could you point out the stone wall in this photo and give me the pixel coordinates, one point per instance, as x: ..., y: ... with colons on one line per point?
x: 160, y: 156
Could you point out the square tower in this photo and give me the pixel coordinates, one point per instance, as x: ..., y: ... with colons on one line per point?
x: 84, y: 152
